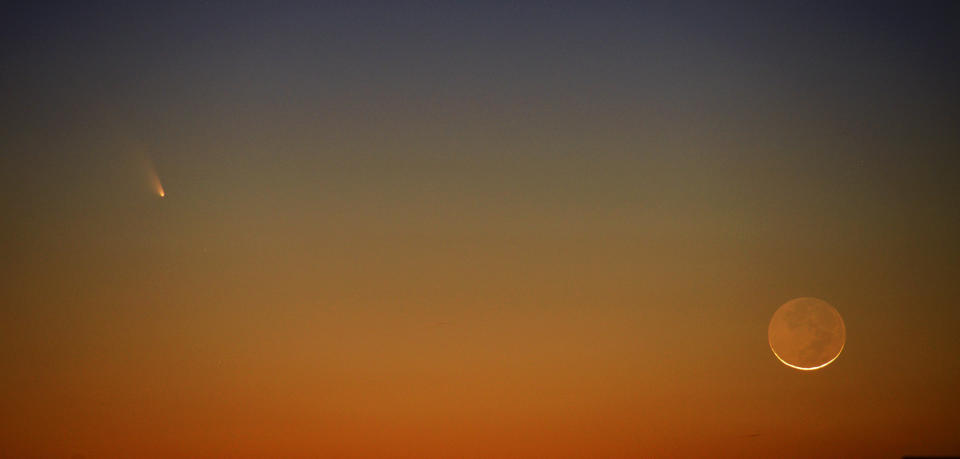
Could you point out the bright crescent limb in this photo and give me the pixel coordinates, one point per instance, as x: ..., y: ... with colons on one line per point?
x: 809, y: 368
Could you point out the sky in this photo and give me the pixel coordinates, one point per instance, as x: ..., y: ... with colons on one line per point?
x: 476, y: 229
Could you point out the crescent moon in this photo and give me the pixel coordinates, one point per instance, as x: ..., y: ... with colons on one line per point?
x: 807, y: 334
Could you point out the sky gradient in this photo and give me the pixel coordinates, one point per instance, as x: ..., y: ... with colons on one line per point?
x: 476, y: 229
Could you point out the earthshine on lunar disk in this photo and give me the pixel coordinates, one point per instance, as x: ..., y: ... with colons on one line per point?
x: 807, y: 334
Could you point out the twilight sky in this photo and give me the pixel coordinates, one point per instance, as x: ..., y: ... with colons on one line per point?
x: 455, y: 229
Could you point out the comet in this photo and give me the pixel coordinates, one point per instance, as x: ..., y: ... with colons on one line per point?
x: 155, y: 183
x: 154, y: 178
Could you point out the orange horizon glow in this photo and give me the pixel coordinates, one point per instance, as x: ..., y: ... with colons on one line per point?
x: 479, y: 230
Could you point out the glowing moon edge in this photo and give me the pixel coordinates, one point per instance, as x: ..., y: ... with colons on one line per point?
x: 828, y: 362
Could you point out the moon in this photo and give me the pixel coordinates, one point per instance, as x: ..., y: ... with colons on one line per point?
x: 807, y: 334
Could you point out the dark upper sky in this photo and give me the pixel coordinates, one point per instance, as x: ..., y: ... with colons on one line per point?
x: 880, y: 77
x: 480, y: 228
